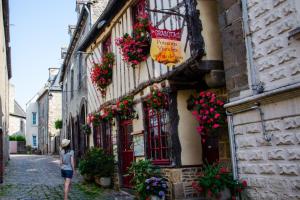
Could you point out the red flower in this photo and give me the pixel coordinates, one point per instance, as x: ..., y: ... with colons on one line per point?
x: 216, y: 126
x: 209, y: 193
x: 244, y: 183
x: 217, y: 176
x: 217, y: 115
x: 195, y: 112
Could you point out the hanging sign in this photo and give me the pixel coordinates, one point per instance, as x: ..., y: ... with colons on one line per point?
x: 166, y: 46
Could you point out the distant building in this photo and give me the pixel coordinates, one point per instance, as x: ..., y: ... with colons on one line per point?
x: 17, y: 116
x: 49, y: 110
x: 32, y: 121
x: 5, y: 75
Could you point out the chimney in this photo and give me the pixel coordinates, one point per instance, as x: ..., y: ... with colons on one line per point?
x: 71, y: 29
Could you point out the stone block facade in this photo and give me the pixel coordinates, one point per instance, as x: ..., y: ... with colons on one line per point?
x: 275, y: 55
x: 271, y: 168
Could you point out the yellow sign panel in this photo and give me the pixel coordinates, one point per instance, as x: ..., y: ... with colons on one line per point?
x: 166, y: 46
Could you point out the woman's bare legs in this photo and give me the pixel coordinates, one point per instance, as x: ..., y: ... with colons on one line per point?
x: 67, y: 188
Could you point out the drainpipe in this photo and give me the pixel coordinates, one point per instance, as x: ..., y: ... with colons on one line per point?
x: 256, y: 85
x: 87, y: 8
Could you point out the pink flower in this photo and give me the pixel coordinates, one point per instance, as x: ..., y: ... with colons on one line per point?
x: 195, y: 112
x: 211, y: 109
x: 216, y: 126
x: 200, y: 129
x: 217, y: 115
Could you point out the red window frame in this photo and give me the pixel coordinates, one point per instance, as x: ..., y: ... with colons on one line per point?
x: 107, y: 138
x: 97, y: 136
x: 158, y: 147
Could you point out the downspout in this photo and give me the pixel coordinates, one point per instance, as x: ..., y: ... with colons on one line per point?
x: 256, y: 86
x: 89, y: 14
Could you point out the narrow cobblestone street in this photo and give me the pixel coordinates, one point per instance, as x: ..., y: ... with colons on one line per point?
x: 34, y: 177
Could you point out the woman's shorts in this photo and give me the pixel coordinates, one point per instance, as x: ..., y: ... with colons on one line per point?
x: 67, y: 173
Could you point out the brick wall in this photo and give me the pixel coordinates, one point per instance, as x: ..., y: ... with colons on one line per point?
x: 234, y: 50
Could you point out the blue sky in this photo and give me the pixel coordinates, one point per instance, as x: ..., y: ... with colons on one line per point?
x: 39, y: 28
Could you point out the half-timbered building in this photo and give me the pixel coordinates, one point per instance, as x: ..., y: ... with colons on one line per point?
x: 166, y: 136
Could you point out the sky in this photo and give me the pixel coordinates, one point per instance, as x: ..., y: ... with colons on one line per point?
x: 38, y: 30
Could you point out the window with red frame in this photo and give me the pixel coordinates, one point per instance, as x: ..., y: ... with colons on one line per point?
x: 97, y: 136
x: 139, y: 9
x: 106, y: 45
x: 107, y: 139
x: 158, y: 147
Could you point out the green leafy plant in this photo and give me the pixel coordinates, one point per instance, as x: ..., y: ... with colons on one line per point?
x: 58, y: 124
x: 125, y: 109
x: 86, y: 129
x: 141, y: 171
x: 17, y: 138
x: 97, y: 163
x: 215, y: 178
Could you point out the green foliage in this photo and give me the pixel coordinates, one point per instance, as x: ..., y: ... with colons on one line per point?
x: 58, y: 124
x: 97, y: 163
x: 17, y: 138
x: 215, y: 178
x: 141, y: 171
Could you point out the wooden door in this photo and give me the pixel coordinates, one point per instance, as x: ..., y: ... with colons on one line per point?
x: 211, y: 150
x: 126, y: 151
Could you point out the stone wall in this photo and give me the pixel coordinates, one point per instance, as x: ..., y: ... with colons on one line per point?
x: 276, y: 57
x: 234, y: 50
x: 271, y: 168
x: 180, y: 182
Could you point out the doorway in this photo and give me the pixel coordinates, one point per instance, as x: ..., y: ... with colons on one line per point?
x: 127, y: 157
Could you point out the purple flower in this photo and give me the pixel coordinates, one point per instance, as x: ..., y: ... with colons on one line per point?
x: 161, y: 193
x: 154, y: 183
x: 164, y: 185
x: 148, y: 187
x: 147, y: 181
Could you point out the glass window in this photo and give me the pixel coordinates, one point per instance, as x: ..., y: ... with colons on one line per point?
x: 34, y: 118
x: 34, y: 141
x: 158, y: 136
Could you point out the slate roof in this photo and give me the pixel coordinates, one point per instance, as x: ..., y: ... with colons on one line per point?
x: 18, y: 110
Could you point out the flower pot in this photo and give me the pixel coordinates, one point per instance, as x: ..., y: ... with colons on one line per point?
x: 224, y: 195
x: 88, y: 178
x: 105, y: 181
x: 153, y: 197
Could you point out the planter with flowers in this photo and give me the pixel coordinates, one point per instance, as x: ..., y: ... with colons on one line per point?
x: 157, y: 100
x: 86, y: 129
x: 101, y: 73
x: 124, y: 108
x: 156, y: 188
x: 135, y: 48
x: 209, y: 112
x: 94, y: 119
x: 216, y: 182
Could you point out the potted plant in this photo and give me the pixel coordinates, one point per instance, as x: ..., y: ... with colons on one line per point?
x: 125, y: 109
x: 141, y: 171
x: 101, y: 73
x: 209, y: 112
x: 86, y: 129
x: 87, y: 165
x: 157, y: 99
x: 216, y: 182
x: 156, y: 188
x: 135, y: 48
x: 104, y: 168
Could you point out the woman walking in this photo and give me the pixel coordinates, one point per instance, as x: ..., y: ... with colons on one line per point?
x: 67, y: 165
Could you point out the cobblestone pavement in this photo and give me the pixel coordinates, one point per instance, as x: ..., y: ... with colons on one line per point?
x: 35, y: 177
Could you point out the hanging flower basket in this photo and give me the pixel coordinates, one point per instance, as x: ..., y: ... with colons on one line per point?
x: 94, y: 119
x: 101, y: 73
x: 108, y: 113
x: 135, y: 48
x: 125, y: 109
x: 157, y: 100
x: 209, y: 112
x: 86, y: 129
